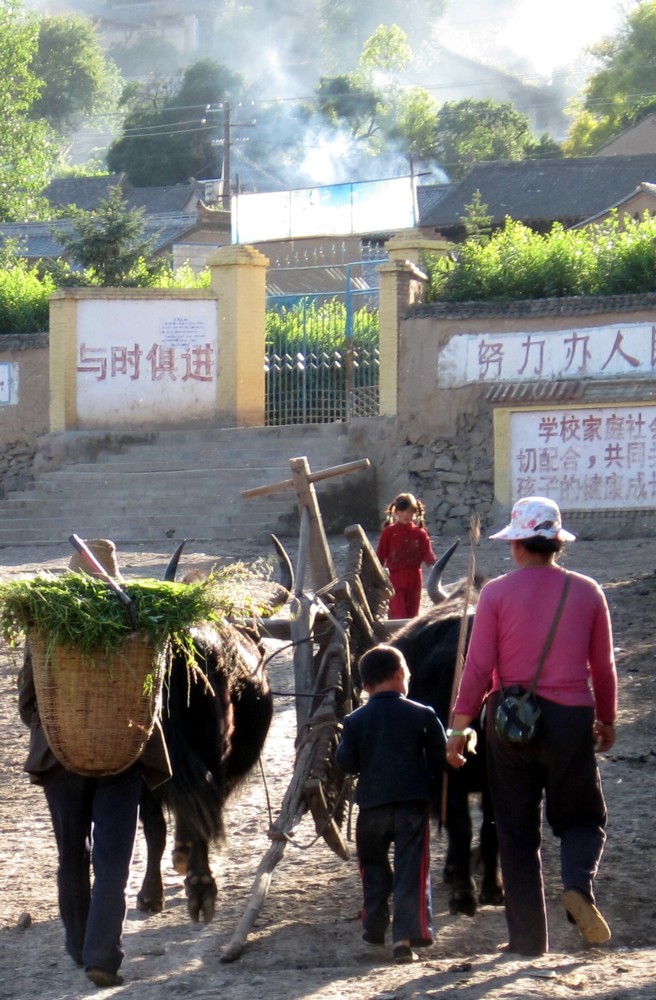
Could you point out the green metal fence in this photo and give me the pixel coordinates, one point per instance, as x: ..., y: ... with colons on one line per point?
x: 322, y: 357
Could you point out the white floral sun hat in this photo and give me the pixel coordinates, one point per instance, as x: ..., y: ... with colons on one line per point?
x: 534, y: 517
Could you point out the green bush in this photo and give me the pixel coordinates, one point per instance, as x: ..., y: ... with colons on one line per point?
x: 298, y: 324
x: 24, y: 295
x: 25, y: 289
x: 616, y: 257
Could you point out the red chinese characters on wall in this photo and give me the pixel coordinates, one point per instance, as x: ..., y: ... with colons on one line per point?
x: 603, y: 457
x: 155, y: 363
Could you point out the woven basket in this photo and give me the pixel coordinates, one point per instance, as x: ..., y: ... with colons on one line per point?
x: 97, y: 711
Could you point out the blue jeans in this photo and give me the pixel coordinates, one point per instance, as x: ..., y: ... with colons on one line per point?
x: 95, y: 822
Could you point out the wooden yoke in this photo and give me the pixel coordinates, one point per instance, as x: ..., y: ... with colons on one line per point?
x: 321, y: 561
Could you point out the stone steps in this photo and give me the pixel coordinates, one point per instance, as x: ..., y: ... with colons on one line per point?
x: 174, y: 485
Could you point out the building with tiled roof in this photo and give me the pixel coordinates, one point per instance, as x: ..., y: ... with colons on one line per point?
x: 87, y: 192
x: 536, y: 192
x: 38, y: 240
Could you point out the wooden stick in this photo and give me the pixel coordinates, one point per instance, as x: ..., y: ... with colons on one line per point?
x: 474, y: 537
x: 314, y: 477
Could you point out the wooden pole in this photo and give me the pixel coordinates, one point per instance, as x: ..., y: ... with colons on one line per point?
x: 474, y: 537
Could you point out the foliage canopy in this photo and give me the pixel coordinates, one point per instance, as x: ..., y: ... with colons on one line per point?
x: 77, y: 78
x: 622, y: 88
x: 172, y: 133
x: 27, y: 151
x: 616, y: 257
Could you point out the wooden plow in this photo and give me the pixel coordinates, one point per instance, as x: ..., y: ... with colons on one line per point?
x: 331, y: 625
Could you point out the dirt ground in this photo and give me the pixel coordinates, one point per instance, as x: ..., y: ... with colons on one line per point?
x: 306, y: 941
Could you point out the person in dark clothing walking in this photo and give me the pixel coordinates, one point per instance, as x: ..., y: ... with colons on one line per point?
x: 396, y: 747
x: 94, y: 820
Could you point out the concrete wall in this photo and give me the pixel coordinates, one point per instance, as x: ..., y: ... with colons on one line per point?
x: 470, y: 397
x: 23, y: 405
x: 557, y: 396
x: 126, y: 357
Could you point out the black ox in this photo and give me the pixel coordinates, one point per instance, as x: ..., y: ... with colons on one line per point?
x: 430, y: 644
x: 214, y: 735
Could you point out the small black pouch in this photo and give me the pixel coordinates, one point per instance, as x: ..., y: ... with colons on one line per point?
x: 517, y: 719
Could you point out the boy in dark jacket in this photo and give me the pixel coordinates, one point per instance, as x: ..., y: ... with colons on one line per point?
x: 396, y: 746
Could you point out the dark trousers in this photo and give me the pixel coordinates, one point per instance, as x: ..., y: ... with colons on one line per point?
x: 407, y: 826
x: 560, y: 764
x: 95, y: 822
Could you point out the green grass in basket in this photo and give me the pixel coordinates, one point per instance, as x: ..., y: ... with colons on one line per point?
x: 78, y: 610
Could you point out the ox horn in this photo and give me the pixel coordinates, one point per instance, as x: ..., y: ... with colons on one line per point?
x: 172, y: 568
x: 434, y: 587
x: 285, y: 564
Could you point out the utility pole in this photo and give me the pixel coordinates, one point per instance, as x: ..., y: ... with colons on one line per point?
x: 226, y: 142
x: 225, y: 187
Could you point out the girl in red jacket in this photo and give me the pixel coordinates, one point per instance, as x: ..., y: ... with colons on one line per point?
x: 403, y: 546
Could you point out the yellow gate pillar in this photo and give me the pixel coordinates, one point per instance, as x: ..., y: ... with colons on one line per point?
x: 239, y: 281
x: 402, y: 284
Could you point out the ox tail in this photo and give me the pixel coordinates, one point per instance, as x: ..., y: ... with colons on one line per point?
x: 193, y: 795
x: 434, y: 587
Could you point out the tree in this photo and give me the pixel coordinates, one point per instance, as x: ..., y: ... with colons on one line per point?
x: 615, y: 95
x: 385, y: 55
x: 374, y: 107
x: 77, y: 78
x: 108, y: 241
x: 477, y: 221
x: 469, y: 131
x: 27, y: 152
x: 172, y: 131
x: 414, y: 124
x: 347, y: 24
x: 344, y: 102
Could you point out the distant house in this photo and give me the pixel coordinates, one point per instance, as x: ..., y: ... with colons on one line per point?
x: 535, y: 192
x: 633, y: 206
x: 453, y: 76
x: 87, y: 192
x: 638, y: 140
x: 37, y: 241
x: 175, y: 217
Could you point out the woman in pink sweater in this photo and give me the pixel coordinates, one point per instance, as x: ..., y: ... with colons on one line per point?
x: 577, y: 693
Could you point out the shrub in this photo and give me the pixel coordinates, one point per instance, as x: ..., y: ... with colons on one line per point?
x: 24, y: 298
x: 616, y: 257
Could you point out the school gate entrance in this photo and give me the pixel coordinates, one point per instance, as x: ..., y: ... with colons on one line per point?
x: 322, y: 354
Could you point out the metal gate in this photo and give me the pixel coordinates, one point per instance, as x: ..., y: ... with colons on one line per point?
x: 322, y: 355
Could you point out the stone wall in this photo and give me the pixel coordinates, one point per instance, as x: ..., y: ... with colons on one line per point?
x: 454, y: 431
x: 24, y: 411
x: 445, y: 441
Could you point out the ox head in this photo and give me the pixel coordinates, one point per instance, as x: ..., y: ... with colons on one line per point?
x: 280, y: 589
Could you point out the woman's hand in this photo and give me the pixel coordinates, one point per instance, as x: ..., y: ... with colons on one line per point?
x: 460, y: 741
x: 604, y: 735
x: 455, y: 750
